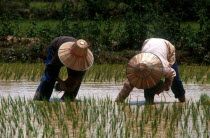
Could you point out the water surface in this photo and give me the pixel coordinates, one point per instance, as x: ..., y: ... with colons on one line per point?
x: 99, y: 90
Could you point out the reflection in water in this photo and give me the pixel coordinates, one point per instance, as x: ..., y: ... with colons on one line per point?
x: 99, y: 90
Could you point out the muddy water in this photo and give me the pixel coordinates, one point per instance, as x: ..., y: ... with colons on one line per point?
x: 100, y: 90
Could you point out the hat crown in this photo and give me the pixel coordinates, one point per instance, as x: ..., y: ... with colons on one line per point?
x: 142, y: 70
x: 141, y: 67
x: 80, y: 48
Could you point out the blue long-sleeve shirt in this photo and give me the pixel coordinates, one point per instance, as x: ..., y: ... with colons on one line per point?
x: 53, y: 63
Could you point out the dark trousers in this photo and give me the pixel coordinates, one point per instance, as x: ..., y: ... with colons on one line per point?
x: 177, y: 87
x: 45, y: 88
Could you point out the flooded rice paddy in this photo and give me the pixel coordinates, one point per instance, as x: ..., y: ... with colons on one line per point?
x: 97, y: 116
x: 99, y: 90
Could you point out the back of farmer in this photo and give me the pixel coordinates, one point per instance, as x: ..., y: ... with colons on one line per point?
x: 145, y: 70
x: 75, y: 56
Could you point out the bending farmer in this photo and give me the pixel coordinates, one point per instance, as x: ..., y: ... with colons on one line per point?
x: 77, y: 58
x: 145, y: 70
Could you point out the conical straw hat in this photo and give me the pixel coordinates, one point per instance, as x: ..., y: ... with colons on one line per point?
x: 76, y: 55
x: 144, y: 70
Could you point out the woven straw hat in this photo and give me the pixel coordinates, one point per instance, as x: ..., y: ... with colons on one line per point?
x: 144, y: 70
x: 76, y: 55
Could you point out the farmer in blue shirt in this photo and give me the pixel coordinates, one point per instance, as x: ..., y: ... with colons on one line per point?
x: 69, y: 52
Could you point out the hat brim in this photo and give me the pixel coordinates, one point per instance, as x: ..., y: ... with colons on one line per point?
x: 74, y: 62
x: 150, y: 79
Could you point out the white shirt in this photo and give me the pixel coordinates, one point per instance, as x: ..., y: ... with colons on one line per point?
x: 165, y: 51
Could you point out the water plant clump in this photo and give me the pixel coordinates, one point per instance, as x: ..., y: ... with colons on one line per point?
x: 94, y: 117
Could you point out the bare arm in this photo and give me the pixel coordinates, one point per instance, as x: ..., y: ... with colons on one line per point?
x: 124, y: 93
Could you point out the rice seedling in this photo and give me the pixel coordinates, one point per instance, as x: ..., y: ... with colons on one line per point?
x: 97, y: 73
x: 92, y: 117
x: 196, y: 74
x: 208, y: 77
x: 104, y: 118
x: 205, y: 99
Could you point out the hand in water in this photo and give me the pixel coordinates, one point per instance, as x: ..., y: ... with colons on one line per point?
x: 60, y: 86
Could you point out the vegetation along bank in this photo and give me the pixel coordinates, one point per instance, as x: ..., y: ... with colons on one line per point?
x: 115, y: 33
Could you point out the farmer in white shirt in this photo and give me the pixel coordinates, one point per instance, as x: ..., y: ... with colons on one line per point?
x: 145, y: 70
